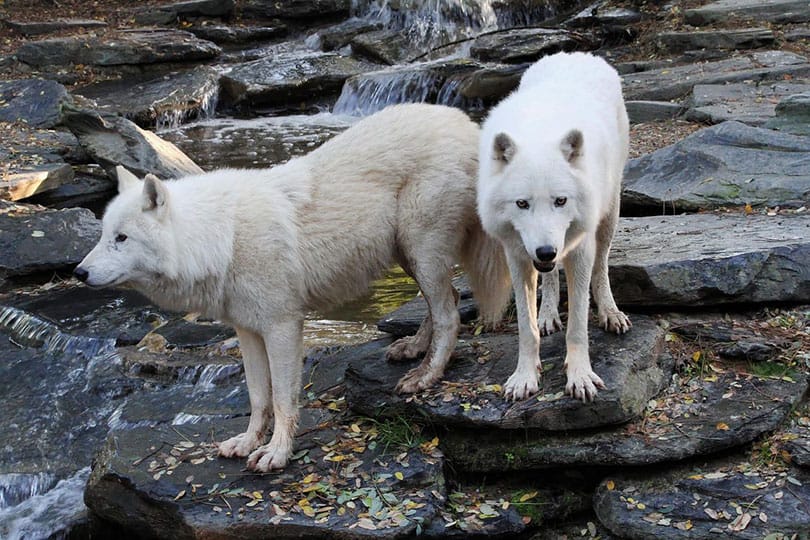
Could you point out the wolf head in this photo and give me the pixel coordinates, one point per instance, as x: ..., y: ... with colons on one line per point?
x: 536, y: 192
x: 135, y: 239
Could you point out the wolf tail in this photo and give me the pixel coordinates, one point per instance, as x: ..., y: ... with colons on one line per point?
x: 484, y: 262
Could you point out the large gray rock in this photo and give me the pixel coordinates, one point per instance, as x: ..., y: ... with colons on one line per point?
x: 600, y: 14
x: 691, y: 418
x: 470, y: 393
x: 136, y: 46
x: 735, y: 39
x: 221, y: 34
x: 287, y: 79
x: 797, y: 441
x: 652, y: 111
x: 792, y: 115
x: 669, y: 82
x: 341, y: 34
x: 36, y: 240
x: 713, y: 500
x: 113, y: 140
x: 730, y: 164
x: 708, y: 260
x: 753, y: 104
x: 26, y: 181
x: 337, y: 474
x: 776, y: 11
x: 525, y: 45
x: 163, y: 101
x: 37, y: 102
x: 295, y: 9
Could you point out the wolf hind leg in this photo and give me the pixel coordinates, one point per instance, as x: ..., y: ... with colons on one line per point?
x: 257, y: 374
x: 433, y: 276
x: 611, y: 318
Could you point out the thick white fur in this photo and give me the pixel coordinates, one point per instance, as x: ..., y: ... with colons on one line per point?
x: 260, y: 248
x: 562, y: 136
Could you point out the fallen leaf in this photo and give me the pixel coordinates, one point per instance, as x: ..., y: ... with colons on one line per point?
x: 741, y: 522
x: 399, y: 476
x: 722, y: 426
x: 180, y: 495
x: 610, y: 485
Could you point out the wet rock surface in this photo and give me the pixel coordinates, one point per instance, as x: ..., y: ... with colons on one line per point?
x: 38, y: 240
x: 470, y: 394
x: 158, y: 102
x: 295, y: 9
x: 228, y: 35
x: 525, y: 45
x: 278, y: 81
x: 706, y: 501
x: 385, y: 47
x: 730, y: 164
x: 341, y: 34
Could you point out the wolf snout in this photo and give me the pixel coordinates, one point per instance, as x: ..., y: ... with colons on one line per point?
x: 544, y: 258
x: 81, y: 274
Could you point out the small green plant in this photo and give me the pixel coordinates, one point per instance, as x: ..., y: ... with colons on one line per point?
x: 509, y: 457
x: 398, y: 433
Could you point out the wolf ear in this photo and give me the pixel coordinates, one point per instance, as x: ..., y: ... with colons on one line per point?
x: 126, y: 179
x: 503, y: 148
x: 155, y: 195
x: 571, y: 145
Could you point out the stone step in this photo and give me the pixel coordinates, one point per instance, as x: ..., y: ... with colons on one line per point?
x: 775, y: 11
x: 747, y: 102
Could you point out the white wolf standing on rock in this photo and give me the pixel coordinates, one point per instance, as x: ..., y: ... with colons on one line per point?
x: 552, y: 156
x: 260, y: 248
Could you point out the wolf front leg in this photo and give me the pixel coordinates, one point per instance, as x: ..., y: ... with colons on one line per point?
x: 610, y: 317
x: 257, y: 373
x: 285, y: 350
x: 524, y: 381
x: 548, y: 320
x: 582, y: 381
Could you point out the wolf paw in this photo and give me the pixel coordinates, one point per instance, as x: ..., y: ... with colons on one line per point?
x: 548, y: 323
x: 239, y: 446
x: 416, y: 380
x: 406, y: 348
x: 268, y: 457
x: 520, y: 385
x: 615, y: 321
x: 583, y: 384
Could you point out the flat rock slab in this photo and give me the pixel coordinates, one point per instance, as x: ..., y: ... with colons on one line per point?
x: 162, y: 101
x: 776, y: 11
x: 674, y: 82
x: 752, y: 104
x: 470, y: 393
x: 730, y: 164
x: 141, y: 481
x: 137, y: 46
x: 341, y: 34
x: 706, y: 502
x: 693, y: 418
x: 797, y: 438
x: 227, y: 35
x: 37, y: 102
x: 36, y: 28
x: 287, y: 79
x: 113, y: 140
x: 640, y: 112
x: 385, y: 46
x: 23, y: 182
x: 168, y: 13
x: 295, y: 9
x: 525, y: 45
x: 33, y: 239
x: 735, y: 39
x: 706, y: 259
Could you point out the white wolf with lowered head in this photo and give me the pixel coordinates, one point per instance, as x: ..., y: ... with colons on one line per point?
x: 260, y: 248
x: 552, y: 155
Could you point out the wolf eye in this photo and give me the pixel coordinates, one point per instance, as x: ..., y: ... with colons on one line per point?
x: 522, y: 204
x: 560, y: 201
x: 121, y: 238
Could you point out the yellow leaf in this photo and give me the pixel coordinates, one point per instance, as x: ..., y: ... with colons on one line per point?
x: 257, y: 495
x: 610, y: 485
x: 641, y: 506
x: 696, y: 356
x: 478, y: 330
x: 722, y: 426
x: 528, y: 496
x: 355, y: 428
x: 398, y: 475
x: 748, y: 209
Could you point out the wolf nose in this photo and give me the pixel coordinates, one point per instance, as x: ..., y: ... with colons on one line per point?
x: 545, y: 253
x: 81, y: 274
